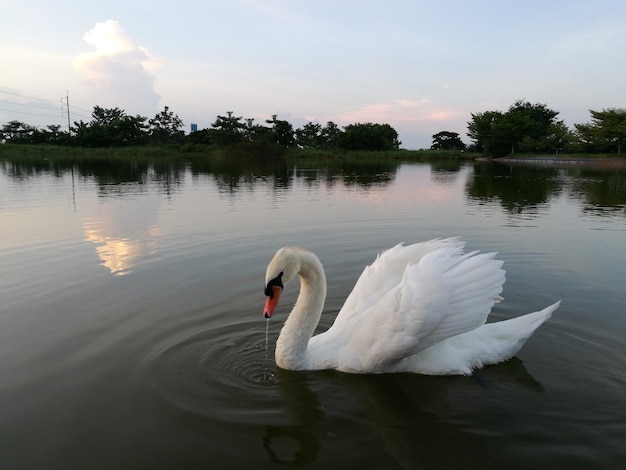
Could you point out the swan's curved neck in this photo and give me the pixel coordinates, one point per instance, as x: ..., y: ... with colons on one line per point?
x: 292, y: 344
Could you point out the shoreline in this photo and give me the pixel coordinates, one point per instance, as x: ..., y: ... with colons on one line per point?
x: 602, y: 162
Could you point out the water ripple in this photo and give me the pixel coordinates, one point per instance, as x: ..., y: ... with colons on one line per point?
x: 226, y: 365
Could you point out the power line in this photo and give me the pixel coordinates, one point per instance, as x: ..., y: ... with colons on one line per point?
x: 24, y: 112
x: 80, y: 115
x: 45, y: 115
x: 24, y: 104
x: 65, y: 107
x: 39, y: 99
x: 29, y: 97
x: 82, y: 109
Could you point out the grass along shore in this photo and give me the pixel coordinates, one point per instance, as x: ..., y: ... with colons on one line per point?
x: 274, y: 152
x: 235, y: 151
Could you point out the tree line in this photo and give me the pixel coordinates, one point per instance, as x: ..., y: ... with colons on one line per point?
x: 524, y: 128
x: 534, y: 128
x: 113, y: 127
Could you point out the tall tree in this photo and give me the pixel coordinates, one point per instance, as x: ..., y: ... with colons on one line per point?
x: 368, y: 136
x: 538, y: 117
x: 228, y: 129
x: 283, y: 131
x: 111, y: 127
x: 257, y: 132
x: 446, y: 140
x: 329, y: 134
x: 522, y: 121
x: 555, y: 141
x: 309, y: 135
x: 497, y: 133
x: 130, y: 130
x: 166, y: 128
x: 606, y: 130
x: 480, y: 129
x: 17, y: 132
x: 106, y: 116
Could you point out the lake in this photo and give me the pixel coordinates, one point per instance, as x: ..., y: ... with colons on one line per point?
x: 132, y: 336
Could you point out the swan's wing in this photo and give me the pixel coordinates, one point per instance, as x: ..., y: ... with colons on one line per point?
x: 444, y: 294
x: 386, y: 272
x: 469, y: 285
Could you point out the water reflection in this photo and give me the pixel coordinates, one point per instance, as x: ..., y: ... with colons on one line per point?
x: 176, y: 346
x: 601, y: 191
x: 445, y: 172
x: 124, y: 226
x: 526, y: 190
x: 298, y: 442
x: 416, y: 418
x: 120, y: 242
x: 518, y: 189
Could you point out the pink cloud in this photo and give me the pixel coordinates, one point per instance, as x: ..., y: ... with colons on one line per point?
x: 401, y: 110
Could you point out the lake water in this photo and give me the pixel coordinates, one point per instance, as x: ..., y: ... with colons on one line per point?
x: 131, y: 329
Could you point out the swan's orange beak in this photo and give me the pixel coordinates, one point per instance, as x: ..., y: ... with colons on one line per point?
x: 272, y: 301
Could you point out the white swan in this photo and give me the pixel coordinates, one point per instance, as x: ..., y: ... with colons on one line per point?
x: 418, y: 308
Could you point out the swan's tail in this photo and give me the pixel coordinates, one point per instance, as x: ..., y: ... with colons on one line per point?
x: 525, y: 325
x: 489, y: 344
x: 504, y: 339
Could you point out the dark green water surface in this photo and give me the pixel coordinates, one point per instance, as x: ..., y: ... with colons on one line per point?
x: 131, y: 331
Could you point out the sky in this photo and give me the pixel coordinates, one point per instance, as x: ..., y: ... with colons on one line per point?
x: 420, y: 66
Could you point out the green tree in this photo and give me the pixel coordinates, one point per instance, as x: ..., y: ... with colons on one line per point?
x: 558, y: 138
x: 329, y: 135
x: 555, y: 141
x: 480, y: 129
x: 309, y: 135
x: 199, y: 137
x: 51, y: 135
x: 537, y: 117
x: 130, y: 130
x: 258, y: 132
x: 17, y: 132
x: 111, y: 127
x: 446, y: 140
x: 228, y: 130
x: 605, y: 132
x: 585, y: 139
x: 368, y: 136
x: 166, y: 128
x: 522, y: 121
x: 508, y: 131
x: 54, y: 135
x: 282, y: 132
x: 497, y: 133
x: 106, y: 116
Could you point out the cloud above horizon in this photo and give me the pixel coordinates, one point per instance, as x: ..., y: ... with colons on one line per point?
x: 400, y: 110
x: 118, y: 70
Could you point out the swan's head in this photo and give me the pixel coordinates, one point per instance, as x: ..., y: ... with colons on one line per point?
x: 282, y: 269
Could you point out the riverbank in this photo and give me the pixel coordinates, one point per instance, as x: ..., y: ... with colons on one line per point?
x: 263, y: 154
x: 246, y: 151
x: 602, y: 161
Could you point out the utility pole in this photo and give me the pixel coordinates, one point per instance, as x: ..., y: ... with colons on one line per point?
x: 67, y: 106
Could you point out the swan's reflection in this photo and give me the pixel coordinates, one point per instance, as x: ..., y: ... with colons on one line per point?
x: 305, y: 413
x: 414, y: 416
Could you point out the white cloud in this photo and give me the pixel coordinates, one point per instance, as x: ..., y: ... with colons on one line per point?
x: 119, y: 72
